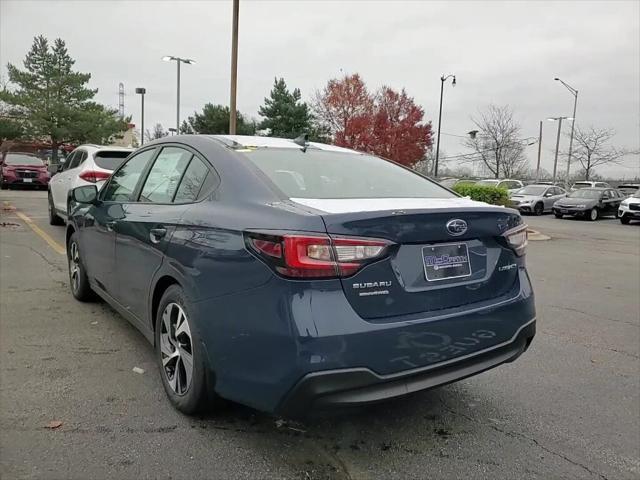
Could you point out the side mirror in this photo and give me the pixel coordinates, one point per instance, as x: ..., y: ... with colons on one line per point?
x: 86, y: 194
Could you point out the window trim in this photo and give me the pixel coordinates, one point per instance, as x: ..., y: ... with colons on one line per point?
x: 194, y: 153
x: 105, y: 187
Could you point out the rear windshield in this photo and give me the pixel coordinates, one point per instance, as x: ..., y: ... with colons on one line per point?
x: 22, y: 159
x: 321, y: 174
x: 581, y: 185
x: 110, y: 160
x: 586, y: 193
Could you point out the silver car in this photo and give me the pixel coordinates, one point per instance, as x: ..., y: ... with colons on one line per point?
x: 537, y: 198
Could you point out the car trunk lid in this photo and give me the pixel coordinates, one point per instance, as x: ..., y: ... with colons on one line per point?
x: 434, y: 264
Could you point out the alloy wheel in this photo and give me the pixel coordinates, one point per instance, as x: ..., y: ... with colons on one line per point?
x: 74, y: 266
x: 593, y: 214
x: 176, y: 348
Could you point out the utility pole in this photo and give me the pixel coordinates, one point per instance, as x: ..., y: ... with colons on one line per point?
x: 234, y: 68
x: 539, y: 153
x: 178, y: 60
x: 442, y: 80
x: 555, y: 161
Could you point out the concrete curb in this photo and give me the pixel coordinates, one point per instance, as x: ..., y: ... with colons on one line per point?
x: 535, y: 235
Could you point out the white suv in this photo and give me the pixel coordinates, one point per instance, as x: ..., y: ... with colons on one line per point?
x: 630, y: 208
x: 86, y: 165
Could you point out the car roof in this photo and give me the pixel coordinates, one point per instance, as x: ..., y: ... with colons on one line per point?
x: 274, y: 142
x: 95, y: 148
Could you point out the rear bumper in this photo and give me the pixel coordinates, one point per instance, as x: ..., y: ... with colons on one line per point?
x: 357, y: 386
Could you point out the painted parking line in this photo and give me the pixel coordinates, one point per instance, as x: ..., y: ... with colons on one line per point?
x: 44, y: 235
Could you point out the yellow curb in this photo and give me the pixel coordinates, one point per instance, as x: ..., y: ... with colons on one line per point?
x: 44, y: 235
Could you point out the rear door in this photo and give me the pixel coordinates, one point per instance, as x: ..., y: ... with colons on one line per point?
x: 60, y: 182
x: 149, y: 222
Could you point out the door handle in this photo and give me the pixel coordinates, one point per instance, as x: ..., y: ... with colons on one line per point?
x: 109, y: 226
x: 156, y: 234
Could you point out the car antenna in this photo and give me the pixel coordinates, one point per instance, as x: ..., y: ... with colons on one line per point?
x: 303, y: 141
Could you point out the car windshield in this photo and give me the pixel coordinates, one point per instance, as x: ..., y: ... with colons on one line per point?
x: 586, y: 193
x: 324, y: 174
x: 636, y: 194
x: 22, y: 159
x: 488, y: 182
x: 110, y: 160
x: 581, y: 185
x: 531, y: 190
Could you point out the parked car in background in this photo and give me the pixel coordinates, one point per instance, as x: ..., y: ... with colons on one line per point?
x: 273, y: 273
x: 511, y: 185
x: 86, y: 165
x: 628, y: 189
x: 589, y: 184
x: 537, y: 198
x: 23, y: 169
x: 453, y: 182
x: 630, y: 208
x: 590, y: 203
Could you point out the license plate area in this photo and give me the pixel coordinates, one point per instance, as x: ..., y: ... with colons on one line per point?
x: 446, y: 261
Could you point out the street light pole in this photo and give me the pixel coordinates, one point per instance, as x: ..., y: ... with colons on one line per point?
x: 178, y: 100
x: 234, y: 68
x: 141, y: 91
x: 539, y: 153
x: 573, y: 92
x: 442, y: 80
x: 178, y: 61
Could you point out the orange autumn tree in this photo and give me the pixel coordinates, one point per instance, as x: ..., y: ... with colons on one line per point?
x: 386, y: 123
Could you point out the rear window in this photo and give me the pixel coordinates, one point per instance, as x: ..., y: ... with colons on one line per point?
x: 322, y: 174
x: 110, y: 160
x: 22, y: 159
x: 581, y: 185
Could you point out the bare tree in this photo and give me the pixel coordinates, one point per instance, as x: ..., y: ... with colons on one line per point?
x: 425, y: 165
x: 497, y: 142
x: 592, y: 149
x: 158, y: 132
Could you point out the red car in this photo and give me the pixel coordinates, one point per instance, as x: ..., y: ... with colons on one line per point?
x: 23, y: 169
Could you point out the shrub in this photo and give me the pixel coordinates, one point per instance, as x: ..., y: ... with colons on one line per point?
x: 484, y: 193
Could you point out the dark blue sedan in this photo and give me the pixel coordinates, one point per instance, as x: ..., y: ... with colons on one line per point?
x: 290, y: 276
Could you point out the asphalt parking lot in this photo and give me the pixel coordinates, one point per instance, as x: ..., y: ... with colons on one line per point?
x: 568, y: 408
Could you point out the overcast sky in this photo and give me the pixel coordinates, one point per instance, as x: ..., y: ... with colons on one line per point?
x: 501, y: 52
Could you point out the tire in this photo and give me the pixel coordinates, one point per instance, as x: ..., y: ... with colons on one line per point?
x: 538, y: 209
x: 174, y: 314
x: 558, y: 215
x: 593, y: 214
x: 624, y: 220
x: 3, y: 185
x: 78, y: 281
x: 54, y: 219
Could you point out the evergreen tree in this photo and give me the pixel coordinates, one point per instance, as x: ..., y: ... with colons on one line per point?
x: 55, y: 101
x: 214, y: 119
x: 285, y: 115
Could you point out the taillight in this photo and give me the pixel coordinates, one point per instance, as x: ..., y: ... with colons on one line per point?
x: 94, y: 176
x: 517, y: 239
x: 315, y: 255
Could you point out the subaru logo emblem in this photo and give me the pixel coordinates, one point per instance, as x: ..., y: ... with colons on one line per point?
x: 456, y: 227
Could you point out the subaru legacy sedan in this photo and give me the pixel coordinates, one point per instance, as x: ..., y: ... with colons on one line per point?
x: 289, y: 276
